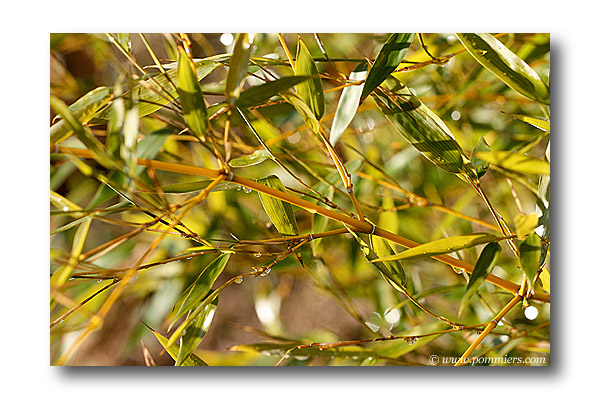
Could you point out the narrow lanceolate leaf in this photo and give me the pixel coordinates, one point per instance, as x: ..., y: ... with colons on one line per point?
x: 422, y: 128
x: 529, y: 256
x: 389, y: 58
x: 304, y: 110
x: 516, y: 162
x: 197, y: 291
x: 238, y: 66
x: 348, y: 103
x: 116, y: 118
x: 83, y: 133
x: 393, y: 269
x: 173, y: 350
x: 64, y: 272
x: 480, y: 166
x: 483, y: 267
x: 280, y: 212
x: 251, y: 159
x: 256, y: 95
x: 311, y: 90
x: 191, y: 98
x: 443, y: 246
x: 64, y: 204
x: 83, y: 110
x: 194, y: 333
x: 506, y: 65
x: 543, y: 209
x: 539, y: 123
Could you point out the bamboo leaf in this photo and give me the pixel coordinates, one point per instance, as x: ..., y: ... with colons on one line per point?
x: 304, y: 110
x: 422, y: 128
x: 485, y: 264
x: 197, y: 291
x: 256, y: 95
x: 311, y: 90
x: 63, y: 273
x: 64, y: 204
x: 516, y: 162
x: 443, y: 246
x: 280, y: 212
x: 348, y: 103
x: 173, y: 350
x: 82, y: 133
x: 84, y: 109
x: 529, y: 257
x: 191, y: 98
x: 525, y: 224
x: 196, y: 186
x: 539, y: 123
x: 194, y: 333
x: 393, y: 268
x: 480, y: 166
x: 506, y: 65
x: 543, y: 208
x: 238, y: 66
x: 291, y: 349
x: 251, y: 159
x: 389, y: 58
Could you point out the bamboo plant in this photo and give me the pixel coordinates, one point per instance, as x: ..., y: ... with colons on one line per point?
x: 301, y: 199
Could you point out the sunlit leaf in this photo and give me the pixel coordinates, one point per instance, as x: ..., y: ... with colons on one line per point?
x: 280, y: 212
x: 194, y: 333
x: 422, y: 128
x: 506, y: 65
x: 279, y: 350
x: 63, y: 273
x: 251, y: 159
x: 304, y: 110
x: 173, y: 350
x: 539, y: 123
x: 443, y: 246
x: 485, y: 264
x: 238, y: 66
x: 480, y: 166
x: 311, y: 90
x: 389, y: 58
x: 191, y: 98
x: 525, y: 224
x: 394, y: 268
x: 529, y: 256
x: 64, y: 204
x: 83, y: 110
x: 197, y: 291
x: 515, y: 162
x: 348, y: 103
x: 543, y: 208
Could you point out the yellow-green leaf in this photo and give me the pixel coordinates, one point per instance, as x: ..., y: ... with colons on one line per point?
x: 348, y: 103
x: 304, y: 110
x: 506, y: 65
x: 173, y: 350
x: 311, y: 90
x: 238, y: 66
x: 422, y: 128
x: 256, y: 95
x: 194, y: 333
x: 525, y: 224
x: 393, y: 269
x: 389, y: 58
x: 251, y: 159
x: 190, y: 96
x: 516, y: 162
x: 529, y: 256
x: 280, y: 212
x: 443, y: 246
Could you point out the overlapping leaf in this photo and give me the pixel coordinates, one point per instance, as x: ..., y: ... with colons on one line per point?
x: 348, y: 103
x: 191, y: 98
x: 280, y: 212
x: 506, y: 65
x: 238, y: 66
x: 529, y: 256
x: 515, y: 162
x: 485, y: 264
x: 311, y: 90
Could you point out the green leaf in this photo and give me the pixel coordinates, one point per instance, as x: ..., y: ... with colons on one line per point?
x: 83, y: 110
x: 280, y: 350
x: 311, y: 91
x: 251, y: 159
x: 394, y: 270
x: 304, y: 110
x: 173, y: 350
x: 529, y: 257
x: 348, y: 103
x: 485, y: 263
x: 443, y: 246
x: 539, y: 123
x: 389, y: 58
x: 238, y: 66
x: 191, y: 98
x: 196, y: 186
x: 516, y: 162
x: 256, y: 95
x: 63, y: 273
x: 543, y: 208
x: 480, y: 166
x: 194, y: 333
x: 83, y: 133
x: 124, y: 41
x: 197, y: 291
x: 506, y: 65
x: 422, y: 128
x: 280, y: 212
x: 64, y: 204
x: 525, y: 224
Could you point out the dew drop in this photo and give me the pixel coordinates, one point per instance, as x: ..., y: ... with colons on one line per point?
x: 246, y: 190
x: 239, y: 280
x: 65, y: 208
x: 301, y: 358
x: 410, y: 340
x: 266, y: 272
x: 458, y: 270
x: 257, y: 254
